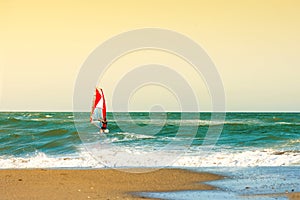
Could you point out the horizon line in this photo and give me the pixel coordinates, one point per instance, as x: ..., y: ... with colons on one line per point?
x: 204, y: 111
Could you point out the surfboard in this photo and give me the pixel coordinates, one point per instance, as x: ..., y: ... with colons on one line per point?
x: 98, y: 110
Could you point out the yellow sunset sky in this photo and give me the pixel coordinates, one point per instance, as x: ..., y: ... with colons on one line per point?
x: 255, y: 46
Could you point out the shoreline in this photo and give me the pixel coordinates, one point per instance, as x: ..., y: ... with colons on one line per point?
x: 108, y: 184
x: 97, y: 183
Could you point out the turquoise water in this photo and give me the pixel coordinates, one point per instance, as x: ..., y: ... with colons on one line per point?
x: 273, y: 137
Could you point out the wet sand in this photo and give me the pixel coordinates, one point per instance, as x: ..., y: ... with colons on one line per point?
x: 96, y: 184
x: 294, y: 196
x: 289, y: 195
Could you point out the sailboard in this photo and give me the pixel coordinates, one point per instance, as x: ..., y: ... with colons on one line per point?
x: 98, y: 111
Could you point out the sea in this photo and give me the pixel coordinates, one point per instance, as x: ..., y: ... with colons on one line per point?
x: 259, y: 152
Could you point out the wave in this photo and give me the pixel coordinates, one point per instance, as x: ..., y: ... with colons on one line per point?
x: 53, y: 133
x: 132, y: 136
x: 124, y: 137
x: 42, y: 160
x: 27, y: 117
x: 225, y: 158
x: 246, y: 158
x: 288, y: 123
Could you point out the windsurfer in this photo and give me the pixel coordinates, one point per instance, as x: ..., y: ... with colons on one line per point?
x: 98, y: 114
x: 104, y: 125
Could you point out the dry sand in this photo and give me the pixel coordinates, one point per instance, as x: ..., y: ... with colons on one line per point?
x: 96, y: 184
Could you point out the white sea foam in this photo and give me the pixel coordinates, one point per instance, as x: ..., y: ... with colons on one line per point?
x: 250, y: 158
x: 130, y: 136
x: 288, y: 123
x: 41, y: 160
x: 116, y: 157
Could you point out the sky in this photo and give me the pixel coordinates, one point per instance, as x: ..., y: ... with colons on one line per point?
x: 254, y: 45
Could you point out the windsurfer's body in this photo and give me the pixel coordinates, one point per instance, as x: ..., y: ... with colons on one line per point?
x: 102, y: 122
x: 104, y: 125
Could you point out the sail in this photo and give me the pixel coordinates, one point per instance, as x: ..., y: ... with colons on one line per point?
x: 103, y: 106
x: 98, y: 111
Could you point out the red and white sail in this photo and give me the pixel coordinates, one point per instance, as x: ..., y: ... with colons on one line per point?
x: 98, y: 107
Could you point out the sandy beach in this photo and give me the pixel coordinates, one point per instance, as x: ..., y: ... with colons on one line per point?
x: 96, y: 184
